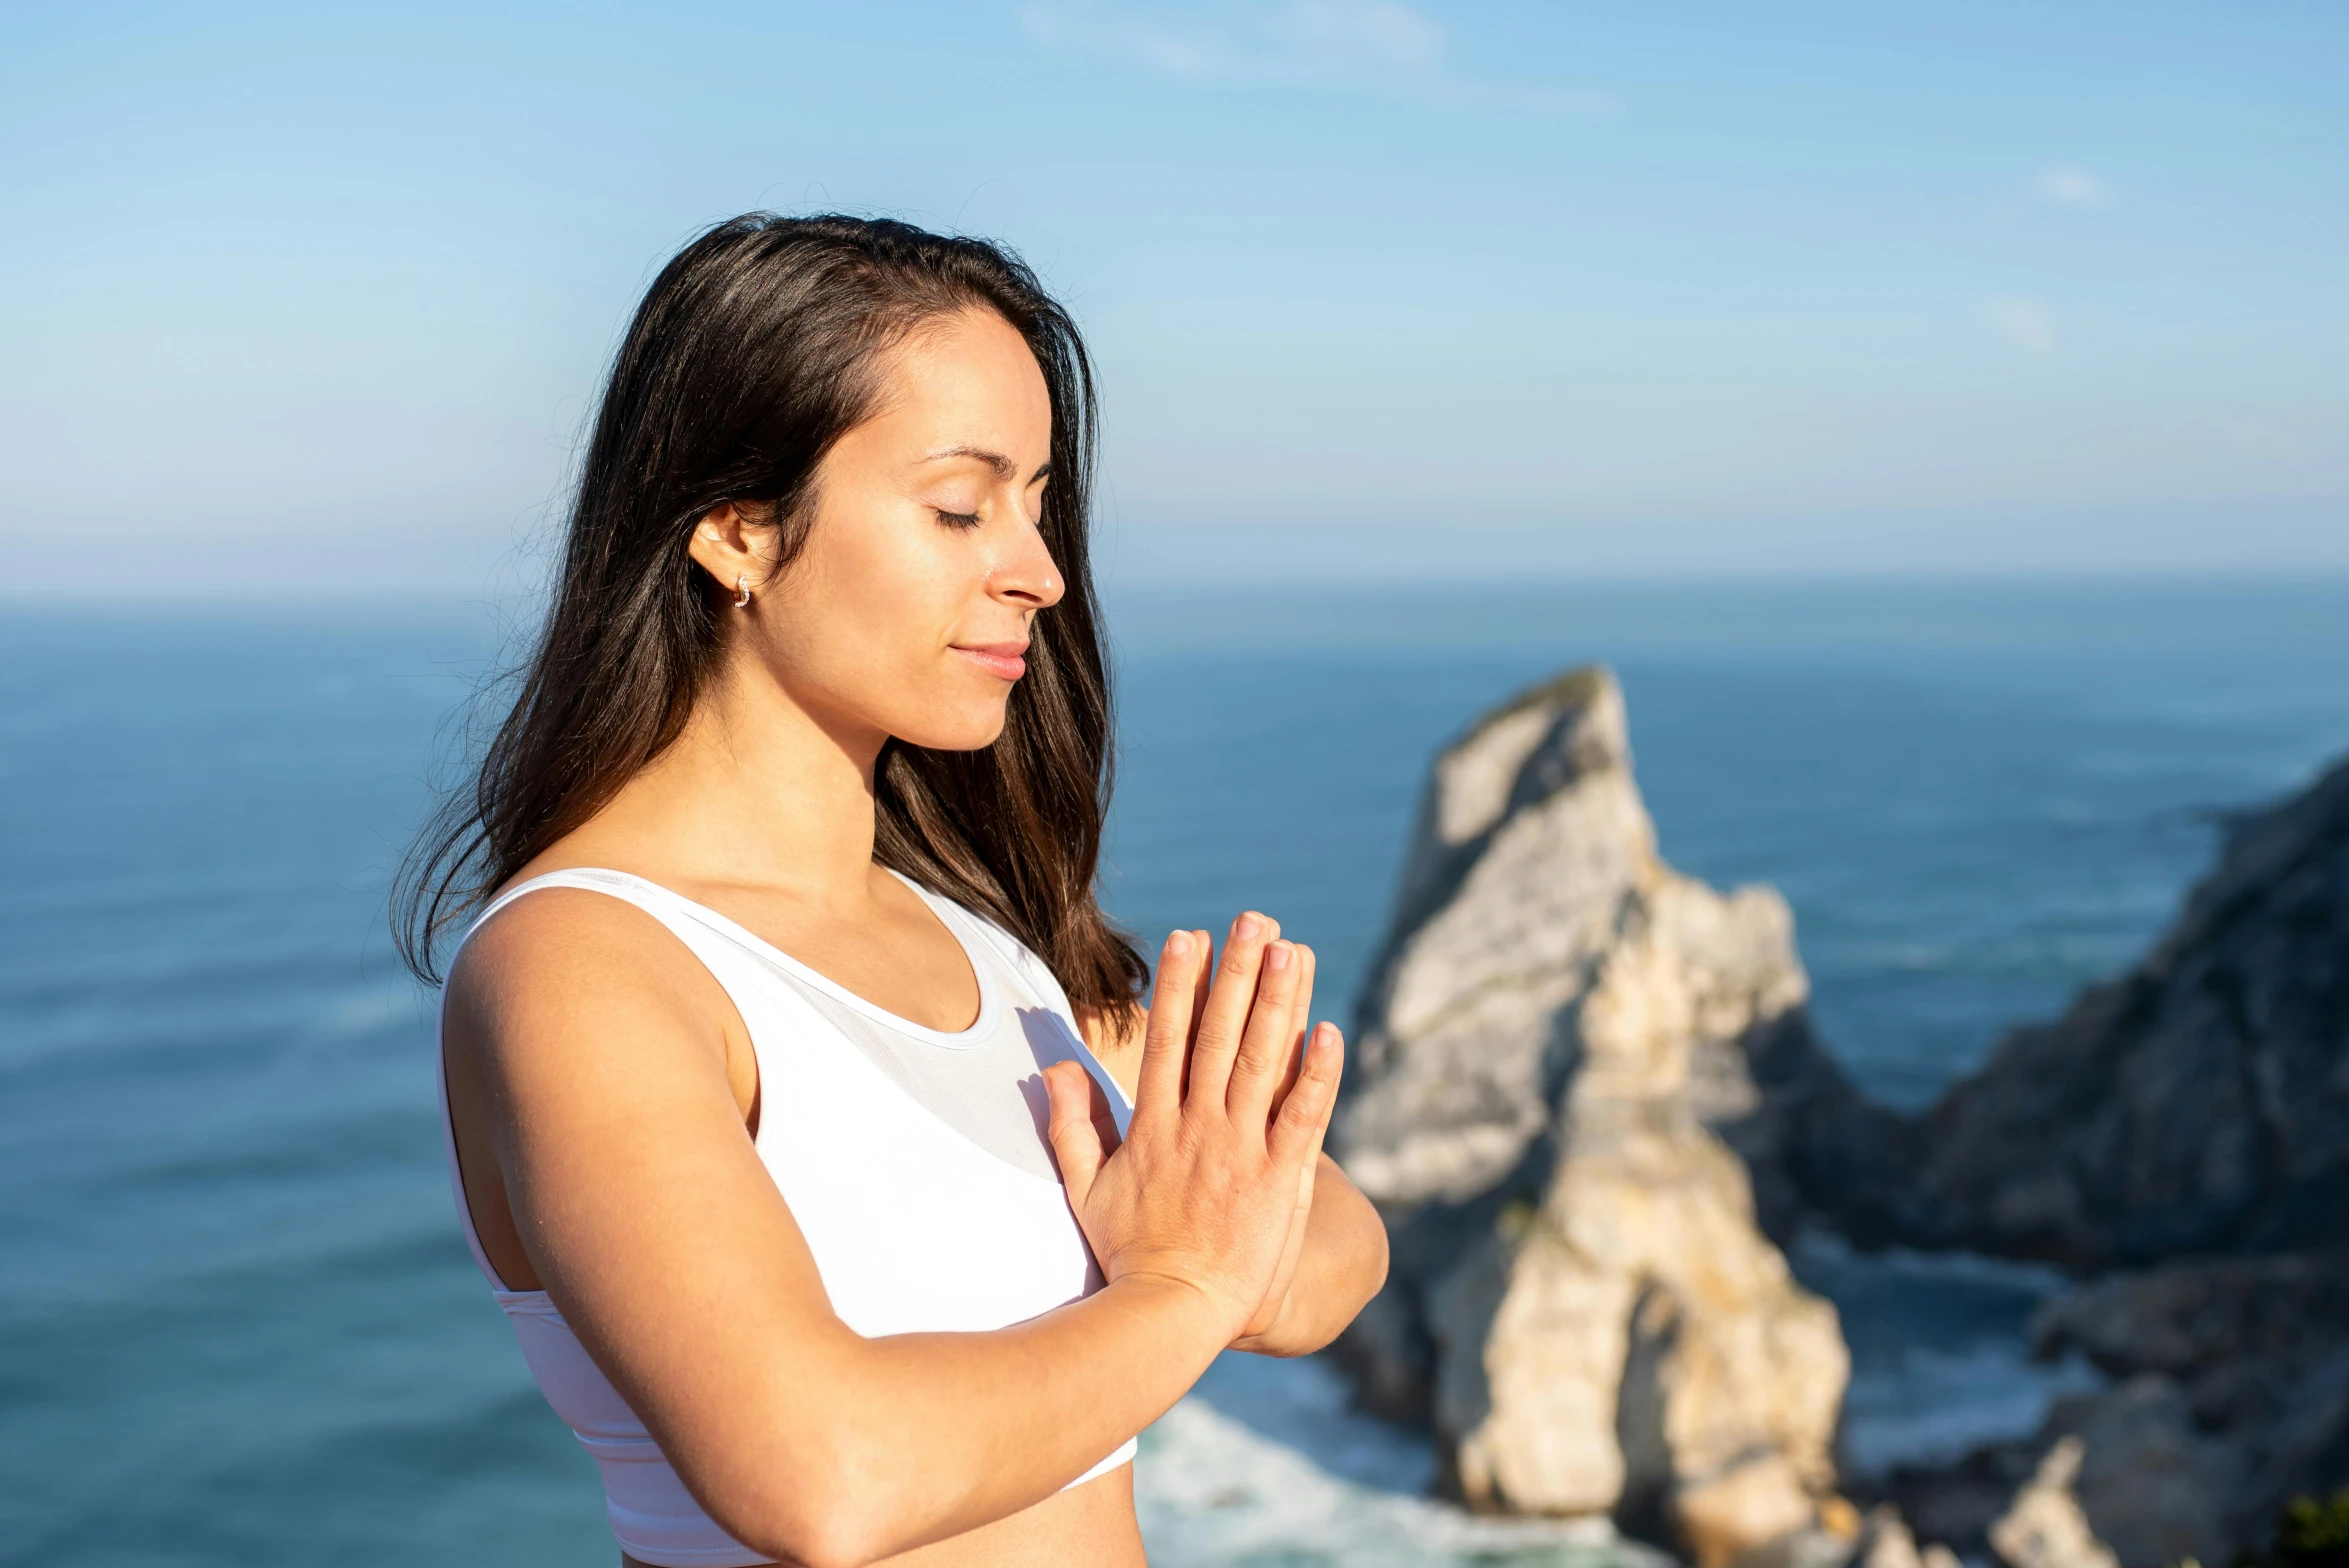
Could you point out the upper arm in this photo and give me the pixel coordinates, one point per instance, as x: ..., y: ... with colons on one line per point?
x: 600, y: 1043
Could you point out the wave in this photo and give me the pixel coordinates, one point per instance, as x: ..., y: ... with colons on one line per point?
x: 1266, y: 1463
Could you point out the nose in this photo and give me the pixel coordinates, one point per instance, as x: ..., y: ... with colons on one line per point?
x: 1026, y: 575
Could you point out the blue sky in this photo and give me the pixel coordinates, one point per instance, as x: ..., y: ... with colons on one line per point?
x: 309, y: 297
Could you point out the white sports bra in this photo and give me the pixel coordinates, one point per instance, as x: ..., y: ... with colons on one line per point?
x: 913, y: 1159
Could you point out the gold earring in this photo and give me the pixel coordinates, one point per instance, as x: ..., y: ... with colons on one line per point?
x: 742, y: 593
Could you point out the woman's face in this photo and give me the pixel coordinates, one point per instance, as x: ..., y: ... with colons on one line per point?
x: 910, y: 603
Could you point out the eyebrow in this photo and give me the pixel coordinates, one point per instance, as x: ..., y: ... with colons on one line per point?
x: 1004, y: 467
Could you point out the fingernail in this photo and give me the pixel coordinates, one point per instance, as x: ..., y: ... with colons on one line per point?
x: 1277, y: 956
x: 1246, y: 927
x: 1178, y: 944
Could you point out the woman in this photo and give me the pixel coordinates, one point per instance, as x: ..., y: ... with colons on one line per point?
x: 801, y: 1109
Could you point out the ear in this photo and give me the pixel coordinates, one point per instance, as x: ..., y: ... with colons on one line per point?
x: 735, y: 544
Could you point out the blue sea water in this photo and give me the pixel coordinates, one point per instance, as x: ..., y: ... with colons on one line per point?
x: 236, y: 1320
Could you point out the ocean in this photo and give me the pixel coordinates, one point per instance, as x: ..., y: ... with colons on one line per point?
x: 238, y: 1325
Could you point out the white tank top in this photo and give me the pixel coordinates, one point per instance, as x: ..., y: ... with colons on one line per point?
x: 913, y: 1159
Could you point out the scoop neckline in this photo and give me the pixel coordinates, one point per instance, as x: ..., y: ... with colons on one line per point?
x: 947, y: 912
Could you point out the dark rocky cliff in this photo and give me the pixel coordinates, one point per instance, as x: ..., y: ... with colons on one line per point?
x: 2181, y: 1138
x: 2198, y: 1104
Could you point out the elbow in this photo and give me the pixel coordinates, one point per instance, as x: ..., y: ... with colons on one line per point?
x: 1366, y: 1278
x: 1313, y: 1325
x: 830, y: 1531
x: 823, y: 1549
x: 824, y: 1537
x: 1371, y: 1275
x: 825, y: 1511
x: 1379, y: 1258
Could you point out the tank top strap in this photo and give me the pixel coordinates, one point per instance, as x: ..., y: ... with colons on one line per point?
x: 670, y: 909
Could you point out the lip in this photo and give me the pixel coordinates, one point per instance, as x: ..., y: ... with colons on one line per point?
x: 1005, y: 660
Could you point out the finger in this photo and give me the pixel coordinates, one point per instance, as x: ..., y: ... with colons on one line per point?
x: 1076, y: 1140
x: 1203, y: 950
x: 1203, y: 982
x: 1311, y: 1165
x: 1304, y: 1115
x: 1303, y: 1017
x: 1305, y: 1174
x: 1265, y: 1044
x: 1224, y: 1018
x: 1310, y: 1169
x: 1158, y: 1089
x: 1105, y: 1123
x: 1300, y: 1025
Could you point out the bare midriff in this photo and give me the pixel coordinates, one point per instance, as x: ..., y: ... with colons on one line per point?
x: 1092, y: 1524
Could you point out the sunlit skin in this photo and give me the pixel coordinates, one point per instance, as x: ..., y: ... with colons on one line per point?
x: 601, y: 1084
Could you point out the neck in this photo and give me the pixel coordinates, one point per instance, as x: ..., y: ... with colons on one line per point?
x: 759, y: 790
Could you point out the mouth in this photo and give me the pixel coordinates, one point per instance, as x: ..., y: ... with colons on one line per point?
x: 1004, y: 660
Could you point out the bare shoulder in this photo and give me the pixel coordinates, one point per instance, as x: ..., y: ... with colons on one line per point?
x: 571, y: 965
x: 1115, y: 1039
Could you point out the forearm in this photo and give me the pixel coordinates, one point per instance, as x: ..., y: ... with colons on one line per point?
x: 1343, y: 1263
x: 929, y: 1435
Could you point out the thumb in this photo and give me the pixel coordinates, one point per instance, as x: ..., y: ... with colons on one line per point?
x: 1076, y: 1141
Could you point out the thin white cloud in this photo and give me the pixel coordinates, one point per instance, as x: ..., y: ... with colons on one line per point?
x: 1378, y: 46
x: 2024, y: 321
x: 2070, y: 186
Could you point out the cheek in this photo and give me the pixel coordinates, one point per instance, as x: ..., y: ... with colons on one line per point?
x: 864, y: 618
x: 911, y: 581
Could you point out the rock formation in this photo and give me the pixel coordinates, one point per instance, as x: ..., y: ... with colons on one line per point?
x: 1566, y: 1050
x: 1887, y: 1542
x: 2192, y: 1115
x: 2199, y: 1104
x: 1580, y: 1303
x: 2144, y: 1481
x: 2234, y: 1399
x: 2045, y: 1528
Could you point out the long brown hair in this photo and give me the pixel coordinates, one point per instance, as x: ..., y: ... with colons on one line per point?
x: 752, y: 353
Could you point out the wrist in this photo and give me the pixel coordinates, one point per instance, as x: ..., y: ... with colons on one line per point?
x: 1187, y: 1313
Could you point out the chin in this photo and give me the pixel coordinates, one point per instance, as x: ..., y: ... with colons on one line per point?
x: 966, y: 731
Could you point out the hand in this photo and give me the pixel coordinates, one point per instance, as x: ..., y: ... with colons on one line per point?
x: 1205, y: 1189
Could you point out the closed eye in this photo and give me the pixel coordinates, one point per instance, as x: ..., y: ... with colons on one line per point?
x: 958, y: 519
